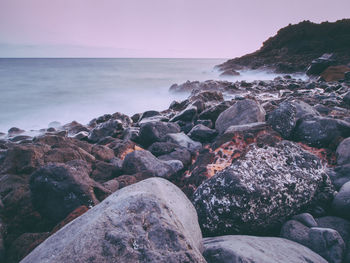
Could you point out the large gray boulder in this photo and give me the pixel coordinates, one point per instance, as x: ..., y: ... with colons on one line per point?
x: 251, y: 249
x: 242, y: 112
x: 341, y: 202
x: 151, y: 221
x: 151, y: 132
x: 258, y: 192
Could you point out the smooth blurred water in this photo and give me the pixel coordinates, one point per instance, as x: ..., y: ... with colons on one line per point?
x: 35, y: 92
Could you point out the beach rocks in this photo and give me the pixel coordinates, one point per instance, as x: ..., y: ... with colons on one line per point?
x: 283, y: 119
x: 242, y: 112
x: 202, y: 133
x: 258, y: 192
x: 341, y: 202
x: 187, y: 114
x: 109, y: 128
x: 151, y: 221
x: 227, y: 249
x: 320, y: 64
x: 154, y: 131
x: 213, y: 112
x: 57, y: 189
x: 183, y: 140
x: 343, y: 152
x: 145, y: 162
x: 322, y: 132
x: 335, y: 73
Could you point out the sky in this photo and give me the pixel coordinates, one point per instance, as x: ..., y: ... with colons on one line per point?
x: 151, y: 28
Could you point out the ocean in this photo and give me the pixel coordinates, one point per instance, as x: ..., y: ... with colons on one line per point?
x: 36, y: 92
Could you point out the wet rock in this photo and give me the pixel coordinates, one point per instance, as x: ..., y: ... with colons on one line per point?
x: 75, y: 127
x: 303, y: 109
x: 161, y: 148
x: 306, y: 219
x: 343, y: 152
x: 327, y: 243
x: 144, y: 161
x: 111, y: 185
x: 340, y: 175
x: 122, y: 147
x: 208, y: 96
x: 242, y: 112
x: 67, y: 153
x: 321, y: 132
x: 24, y: 158
x: 257, y: 193
x: 341, y: 202
x: 283, y: 119
x: 183, y: 140
x: 148, y: 114
x: 102, y: 153
x: 83, y: 135
x: 151, y: 221
x: 179, y: 153
x: 202, y: 133
x: 111, y: 128
x: 341, y: 225
x: 230, y: 72
x: 103, y: 171
x: 227, y: 249
x: 154, y: 131
x: 57, y: 189
x: 187, y: 114
x: 15, y: 131
x: 297, y: 232
x: 320, y: 64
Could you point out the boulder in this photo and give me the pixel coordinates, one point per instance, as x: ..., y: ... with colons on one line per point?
x: 230, y: 72
x: 346, y: 98
x: 321, y: 132
x: 296, y: 231
x: 306, y: 219
x: 151, y: 221
x: 327, y: 243
x: 102, y: 153
x: 343, y: 152
x: 335, y: 73
x: 183, y: 140
x: 242, y: 112
x: 213, y: 112
x: 187, y: 114
x: 103, y: 171
x: 341, y: 202
x: 149, y: 114
x: 202, y: 133
x: 144, y: 161
x: 109, y: 128
x: 341, y: 225
x: 320, y: 64
x: 340, y: 175
x: 154, y: 131
x: 250, y: 249
x: 57, y: 189
x: 283, y: 119
x: 181, y: 154
x: 258, y: 192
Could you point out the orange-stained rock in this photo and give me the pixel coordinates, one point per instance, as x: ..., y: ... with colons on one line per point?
x: 334, y: 73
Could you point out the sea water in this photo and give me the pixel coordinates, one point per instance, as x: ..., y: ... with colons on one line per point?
x: 36, y: 92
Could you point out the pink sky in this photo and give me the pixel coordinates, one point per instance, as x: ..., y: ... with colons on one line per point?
x: 152, y: 28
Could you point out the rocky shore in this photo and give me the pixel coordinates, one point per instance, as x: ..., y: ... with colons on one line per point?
x: 238, y: 172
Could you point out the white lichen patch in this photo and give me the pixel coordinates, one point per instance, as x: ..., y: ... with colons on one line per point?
x: 258, y: 191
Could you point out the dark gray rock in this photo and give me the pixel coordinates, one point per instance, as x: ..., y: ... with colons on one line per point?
x: 341, y: 202
x: 151, y: 221
x: 181, y: 154
x: 145, y: 162
x: 161, y: 148
x: 148, y: 114
x: 2, y: 245
x: 306, y: 219
x: 183, y: 140
x: 321, y: 132
x: 187, y: 114
x: 303, y: 109
x: 283, y: 119
x: 57, y: 189
x: 327, y: 243
x: 251, y: 249
x: 109, y: 128
x: 242, y: 112
x: 296, y: 231
x: 258, y: 192
x: 213, y: 112
x: 341, y: 225
x: 340, y: 175
x: 320, y: 64
x: 202, y: 133
x: 154, y: 131
x: 343, y: 152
